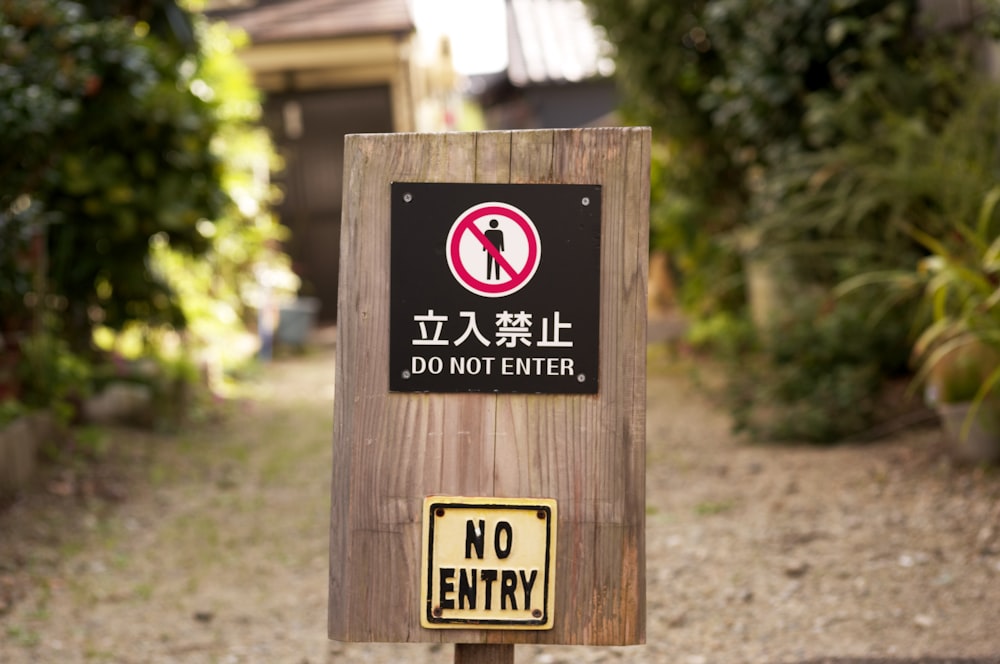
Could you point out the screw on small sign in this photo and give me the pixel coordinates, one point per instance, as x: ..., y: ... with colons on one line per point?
x: 581, y: 378
x: 407, y: 197
x: 585, y: 201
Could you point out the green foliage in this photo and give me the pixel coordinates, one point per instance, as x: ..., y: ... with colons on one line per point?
x: 961, y: 348
x: 814, y: 378
x: 874, y: 212
x: 868, y: 196
x: 739, y: 91
x: 664, y: 62
x: 20, y: 242
x: 215, y: 289
x: 10, y: 410
x: 801, y: 74
x: 176, y: 388
x: 784, y: 128
x: 727, y: 335
x: 941, y: 195
x: 694, y: 232
x: 962, y: 372
x: 107, y: 143
x: 135, y: 189
x: 53, y: 376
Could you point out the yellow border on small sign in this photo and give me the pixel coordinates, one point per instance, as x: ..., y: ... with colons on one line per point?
x: 488, y: 563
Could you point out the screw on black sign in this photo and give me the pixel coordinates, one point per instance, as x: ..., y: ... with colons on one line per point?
x: 495, y: 288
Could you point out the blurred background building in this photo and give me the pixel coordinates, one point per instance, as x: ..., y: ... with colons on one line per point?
x: 329, y: 68
x: 559, y: 72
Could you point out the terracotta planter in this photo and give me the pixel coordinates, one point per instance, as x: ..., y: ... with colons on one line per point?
x: 981, y: 444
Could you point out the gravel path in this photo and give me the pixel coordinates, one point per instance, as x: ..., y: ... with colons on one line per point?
x: 210, y: 545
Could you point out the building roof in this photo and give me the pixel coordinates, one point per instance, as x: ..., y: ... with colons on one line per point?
x: 554, y: 41
x: 300, y: 20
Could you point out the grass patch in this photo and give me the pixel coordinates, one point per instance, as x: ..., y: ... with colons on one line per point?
x: 143, y: 591
x: 23, y: 636
x: 713, y: 507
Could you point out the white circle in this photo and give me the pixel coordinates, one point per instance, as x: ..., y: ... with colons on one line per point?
x: 479, y: 270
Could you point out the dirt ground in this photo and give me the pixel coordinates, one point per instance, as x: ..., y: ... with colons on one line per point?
x: 211, y: 545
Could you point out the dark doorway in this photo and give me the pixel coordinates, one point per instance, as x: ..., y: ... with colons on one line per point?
x: 309, y: 129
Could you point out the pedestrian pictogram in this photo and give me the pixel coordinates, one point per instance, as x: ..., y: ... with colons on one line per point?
x: 495, y: 237
x: 493, y: 249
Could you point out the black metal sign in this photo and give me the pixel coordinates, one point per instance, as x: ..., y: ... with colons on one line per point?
x: 495, y: 288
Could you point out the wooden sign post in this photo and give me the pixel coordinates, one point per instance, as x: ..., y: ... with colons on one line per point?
x: 489, y: 420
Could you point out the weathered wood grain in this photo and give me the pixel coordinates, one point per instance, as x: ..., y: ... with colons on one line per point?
x: 483, y: 654
x: 586, y: 451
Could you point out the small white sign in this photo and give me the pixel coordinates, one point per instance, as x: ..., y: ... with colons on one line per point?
x: 489, y: 563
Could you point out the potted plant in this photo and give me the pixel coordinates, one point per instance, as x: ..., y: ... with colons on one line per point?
x: 941, y: 187
x: 960, y: 350
x: 958, y: 388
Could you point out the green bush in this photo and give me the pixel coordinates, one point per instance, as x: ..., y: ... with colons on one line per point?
x: 817, y: 370
x: 10, y: 410
x: 134, y: 191
x: 739, y: 92
x: 776, y: 121
x: 53, y: 376
x: 217, y: 288
x: 110, y: 144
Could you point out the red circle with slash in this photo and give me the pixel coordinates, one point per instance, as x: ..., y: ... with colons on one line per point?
x: 515, y: 261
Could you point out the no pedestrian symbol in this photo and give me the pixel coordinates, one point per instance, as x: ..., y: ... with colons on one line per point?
x: 493, y: 249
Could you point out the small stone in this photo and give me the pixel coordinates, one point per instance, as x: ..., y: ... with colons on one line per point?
x: 744, y: 595
x: 63, y: 487
x: 796, y: 569
x: 119, y: 402
x: 792, y: 588
x: 678, y: 620
x: 204, y: 616
x: 923, y: 621
x: 988, y: 540
x: 111, y: 491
